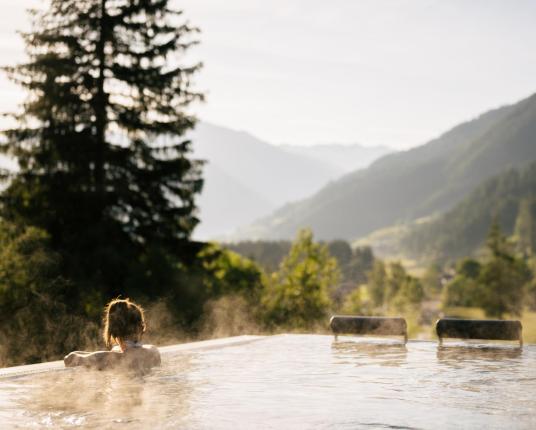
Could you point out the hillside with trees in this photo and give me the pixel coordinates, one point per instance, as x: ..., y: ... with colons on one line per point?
x: 508, y: 198
x: 420, y: 182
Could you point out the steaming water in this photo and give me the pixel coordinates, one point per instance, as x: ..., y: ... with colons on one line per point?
x: 292, y: 381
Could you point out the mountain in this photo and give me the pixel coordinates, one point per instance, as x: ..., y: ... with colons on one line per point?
x: 462, y: 230
x: 420, y: 182
x: 226, y: 202
x: 246, y: 178
x: 345, y: 157
x: 273, y: 173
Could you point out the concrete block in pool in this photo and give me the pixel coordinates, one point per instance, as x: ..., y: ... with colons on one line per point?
x: 361, y: 325
x: 479, y: 329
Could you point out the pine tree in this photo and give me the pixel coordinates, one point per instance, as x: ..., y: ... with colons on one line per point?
x: 105, y: 169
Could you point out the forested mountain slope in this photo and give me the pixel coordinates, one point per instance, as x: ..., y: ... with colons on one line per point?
x: 509, y: 197
x: 420, y: 182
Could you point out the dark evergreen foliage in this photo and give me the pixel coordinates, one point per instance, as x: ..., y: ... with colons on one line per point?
x: 104, y: 165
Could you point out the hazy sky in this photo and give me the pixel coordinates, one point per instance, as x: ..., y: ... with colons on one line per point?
x: 390, y: 72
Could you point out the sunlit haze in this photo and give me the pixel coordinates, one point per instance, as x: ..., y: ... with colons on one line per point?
x: 379, y: 72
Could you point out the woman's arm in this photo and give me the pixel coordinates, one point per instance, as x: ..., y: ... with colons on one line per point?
x: 98, y: 359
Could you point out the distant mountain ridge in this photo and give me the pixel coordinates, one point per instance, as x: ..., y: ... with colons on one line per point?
x: 246, y: 178
x: 346, y: 158
x: 408, y: 185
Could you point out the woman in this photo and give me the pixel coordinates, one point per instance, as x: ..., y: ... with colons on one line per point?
x: 124, y: 325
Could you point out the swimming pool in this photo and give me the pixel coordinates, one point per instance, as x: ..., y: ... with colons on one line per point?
x: 288, y: 381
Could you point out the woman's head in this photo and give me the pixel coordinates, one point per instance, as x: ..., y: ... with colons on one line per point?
x: 123, y: 320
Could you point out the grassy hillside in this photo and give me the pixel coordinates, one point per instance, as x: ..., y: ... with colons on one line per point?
x: 405, y: 186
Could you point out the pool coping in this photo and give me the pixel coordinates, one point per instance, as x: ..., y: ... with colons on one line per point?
x: 57, y: 366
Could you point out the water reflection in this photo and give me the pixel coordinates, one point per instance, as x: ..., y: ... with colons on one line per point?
x: 483, y: 370
x: 480, y: 353
x: 479, y: 360
x: 361, y: 353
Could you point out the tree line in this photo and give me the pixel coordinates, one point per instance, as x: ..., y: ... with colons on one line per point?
x: 316, y: 279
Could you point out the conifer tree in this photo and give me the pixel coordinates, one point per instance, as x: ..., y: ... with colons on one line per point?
x: 104, y: 167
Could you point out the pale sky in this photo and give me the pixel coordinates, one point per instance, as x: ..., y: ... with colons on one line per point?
x: 378, y: 72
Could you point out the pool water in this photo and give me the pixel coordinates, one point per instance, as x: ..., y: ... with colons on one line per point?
x: 291, y: 381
